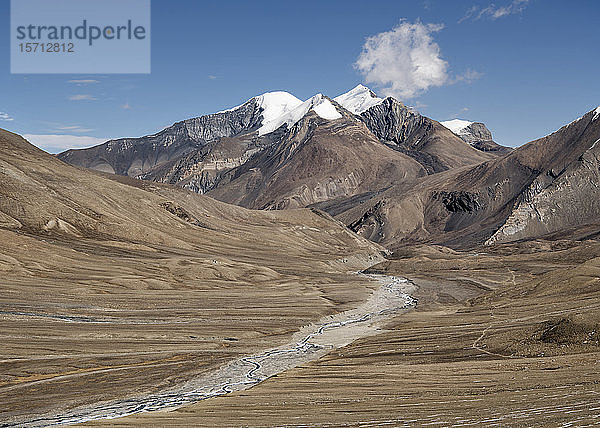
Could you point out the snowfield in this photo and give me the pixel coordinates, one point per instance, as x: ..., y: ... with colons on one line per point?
x: 358, y: 100
x: 457, y: 125
x: 318, y: 103
x: 282, y: 108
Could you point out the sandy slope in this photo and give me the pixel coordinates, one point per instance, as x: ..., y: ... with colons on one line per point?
x: 522, y: 355
x: 115, y: 288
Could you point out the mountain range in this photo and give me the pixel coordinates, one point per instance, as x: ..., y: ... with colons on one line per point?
x: 124, y: 284
x: 387, y: 172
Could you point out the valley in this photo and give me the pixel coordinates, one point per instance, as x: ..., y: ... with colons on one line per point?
x: 506, y: 338
x: 310, y: 342
x: 218, y: 259
x: 112, y: 289
x: 300, y: 214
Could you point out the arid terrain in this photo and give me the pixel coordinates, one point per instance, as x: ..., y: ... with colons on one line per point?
x: 300, y: 214
x: 110, y: 289
x: 138, y: 298
x: 503, y: 338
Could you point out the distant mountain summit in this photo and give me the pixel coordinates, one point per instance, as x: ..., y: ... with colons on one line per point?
x: 382, y: 168
x: 358, y: 100
x: 289, y: 117
x: 272, y: 106
x: 200, y: 153
x: 476, y: 134
x: 261, y: 115
x: 405, y: 130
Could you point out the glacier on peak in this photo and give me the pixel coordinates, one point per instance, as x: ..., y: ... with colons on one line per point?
x: 279, y: 108
x: 273, y: 103
x: 318, y: 103
x: 457, y: 126
x: 358, y: 100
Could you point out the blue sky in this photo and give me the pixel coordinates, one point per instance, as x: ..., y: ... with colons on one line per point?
x: 524, y: 68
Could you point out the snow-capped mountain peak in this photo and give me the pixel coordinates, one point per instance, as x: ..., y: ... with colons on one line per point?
x: 279, y: 108
x: 358, y: 99
x: 323, y: 107
x: 458, y: 126
x: 476, y: 134
x: 318, y: 103
x: 596, y: 113
x: 275, y: 105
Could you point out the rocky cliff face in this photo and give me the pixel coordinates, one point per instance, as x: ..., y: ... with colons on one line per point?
x: 476, y: 132
x: 137, y: 156
x: 393, y: 122
x: 565, y: 194
x: 480, y: 137
x: 201, y: 170
x: 425, y: 140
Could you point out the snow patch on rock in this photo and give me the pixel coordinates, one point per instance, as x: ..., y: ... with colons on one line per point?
x: 326, y: 110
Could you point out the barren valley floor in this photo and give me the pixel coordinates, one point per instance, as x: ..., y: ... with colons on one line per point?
x: 525, y: 354
x: 112, y: 287
x: 132, y: 321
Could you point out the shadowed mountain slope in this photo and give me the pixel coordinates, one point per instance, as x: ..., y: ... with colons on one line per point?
x: 542, y: 187
x: 426, y: 140
x: 275, y: 151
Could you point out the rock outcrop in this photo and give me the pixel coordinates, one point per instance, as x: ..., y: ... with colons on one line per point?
x: 477, y: 135
x: 137, y: 156
x: 425, y: 140
x: 548, y: 186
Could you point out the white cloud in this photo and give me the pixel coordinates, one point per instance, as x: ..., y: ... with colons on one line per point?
x: 405, y: 61
x: 60, y: 143
x: 6, y: 117
x: 84, y: 81
x: 468, y: 76
x: 469, y: 14
x: 212, y: 76
x: 82, y: 97
x: 495, y: 12
x: 460, y: 113
x: 73, y: 128
x: 418, y: 105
